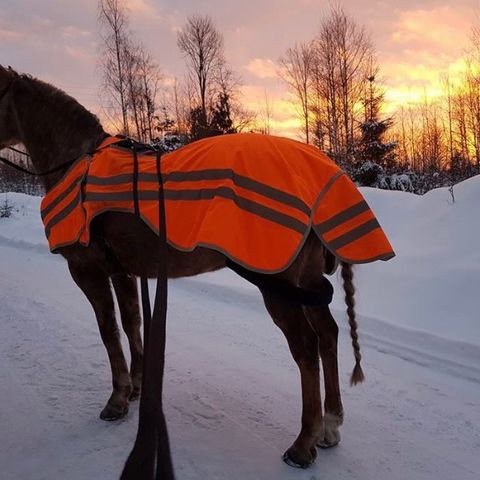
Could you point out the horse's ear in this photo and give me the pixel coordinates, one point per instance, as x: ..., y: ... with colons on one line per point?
x: 6, y: 75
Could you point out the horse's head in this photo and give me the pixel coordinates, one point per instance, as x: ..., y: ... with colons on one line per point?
x: 9, y: 130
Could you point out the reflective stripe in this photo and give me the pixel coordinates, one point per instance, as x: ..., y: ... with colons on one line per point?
x: 353, y: 235
x: 342, y: 217
x: 62, y: 214
x: 205, y: 194
x: 121, y: 178
x: 63, y: 195
x: 211, y: 174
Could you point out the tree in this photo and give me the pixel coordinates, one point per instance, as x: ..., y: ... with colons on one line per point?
x: 296, y: 70
x: 328, y: 77
x: 143, y: 77
x: 371, y: 146
x: 202, y: 45
x: 113, y: 18
x: 266, y: 115
x: 130, y: 76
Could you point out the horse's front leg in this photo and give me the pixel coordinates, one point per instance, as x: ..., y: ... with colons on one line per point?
x: 126, y: 291
x: 93, y: 279
x: 303, y: 343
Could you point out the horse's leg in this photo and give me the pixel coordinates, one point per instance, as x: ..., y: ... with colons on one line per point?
x: 93, y: 279
x: 303, y: 343
x: 125, y: 286
x: 326, y: 328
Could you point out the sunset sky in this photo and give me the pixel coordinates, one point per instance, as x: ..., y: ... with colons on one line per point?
x: 57, y: 41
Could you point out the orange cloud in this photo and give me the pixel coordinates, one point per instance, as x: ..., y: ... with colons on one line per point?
x: 439, y: 29
x: 424, y: 44
x: 262, y: 68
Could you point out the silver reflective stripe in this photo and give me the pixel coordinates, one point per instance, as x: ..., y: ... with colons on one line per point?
x: 121, y: 178
x: 353, y: 235
x: 62, y: 214
x: 206, y: 194
x: 342, y: 217
x: 63, y: 195
x: 210, y: 174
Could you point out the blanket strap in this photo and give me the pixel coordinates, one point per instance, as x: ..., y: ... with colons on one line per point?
x: 150, y: 458
x: 285, y: 291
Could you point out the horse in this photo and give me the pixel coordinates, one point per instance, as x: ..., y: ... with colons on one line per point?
x: 54, y: 127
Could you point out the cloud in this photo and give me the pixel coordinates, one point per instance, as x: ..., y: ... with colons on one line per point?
x: 8, y: 35
x: 71, y: 32
x: 262, y: 68
x: 439, y: 29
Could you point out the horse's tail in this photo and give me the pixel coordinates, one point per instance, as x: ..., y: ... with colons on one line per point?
x: 347, y: 276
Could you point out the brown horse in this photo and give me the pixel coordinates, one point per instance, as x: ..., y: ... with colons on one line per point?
x: 54, y: 128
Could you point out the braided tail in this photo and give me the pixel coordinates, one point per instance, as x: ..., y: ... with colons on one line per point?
x: 347, y: 276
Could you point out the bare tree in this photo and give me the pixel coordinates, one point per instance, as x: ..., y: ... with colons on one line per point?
x: 266, y: 115
x: 202, y: 45
x: 344, y: 56
x: 142, y: 77
x: 113, y: 18
x: 130, y: 76
x: 296, y: 70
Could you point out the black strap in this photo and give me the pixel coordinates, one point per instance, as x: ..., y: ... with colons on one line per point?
x: 285, y: 291
x: 54, y: 169
x: 41, y: 174
x: 150, y: 458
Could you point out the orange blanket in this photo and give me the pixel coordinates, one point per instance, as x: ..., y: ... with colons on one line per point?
x: 252, y: 197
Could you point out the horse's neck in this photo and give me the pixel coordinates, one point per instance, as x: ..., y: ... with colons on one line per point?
x: 55, y: 129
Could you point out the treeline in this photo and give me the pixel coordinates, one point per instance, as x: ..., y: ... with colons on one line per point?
x: 12, y: 180
x: 335, y: 84
x: 334, y: 81
x: 336, y: 88
x: 205, y: 102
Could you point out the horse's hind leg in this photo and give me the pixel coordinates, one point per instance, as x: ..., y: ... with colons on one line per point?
x: 303, y: 343
x: 326, y: 328
x: 93, y: 279
x: 126, y: 291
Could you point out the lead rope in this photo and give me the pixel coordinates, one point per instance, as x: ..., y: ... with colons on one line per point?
x: 150, y: 458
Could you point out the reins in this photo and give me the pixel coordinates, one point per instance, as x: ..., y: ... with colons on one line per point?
x: 150, y: 458
x: 37, y: 174
x: 57, y: 168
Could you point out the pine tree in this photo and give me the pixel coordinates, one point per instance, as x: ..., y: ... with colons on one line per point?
x: 221, y: 115
x: 371, y: 146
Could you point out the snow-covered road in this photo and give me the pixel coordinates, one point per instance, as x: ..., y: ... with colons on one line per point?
x: 232, y: 390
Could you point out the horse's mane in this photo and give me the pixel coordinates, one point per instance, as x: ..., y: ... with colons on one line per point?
x: 65, y: 106
x: 55, y: 127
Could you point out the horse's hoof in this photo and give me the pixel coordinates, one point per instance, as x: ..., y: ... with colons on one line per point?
x: 324, y: 444
x: 330, y: 436
x: 135, y: 395
x: 294, y: 459
x: 110, y: 414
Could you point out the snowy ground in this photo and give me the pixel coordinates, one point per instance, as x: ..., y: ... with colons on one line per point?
x: 232, y: 391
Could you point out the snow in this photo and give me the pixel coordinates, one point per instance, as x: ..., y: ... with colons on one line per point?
x: 232, y: 391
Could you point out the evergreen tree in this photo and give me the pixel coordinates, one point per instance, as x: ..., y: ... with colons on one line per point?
x: 221, y: 115
x: 371, y: 146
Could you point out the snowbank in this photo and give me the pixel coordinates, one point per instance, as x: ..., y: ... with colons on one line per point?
x: 432, y: 283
